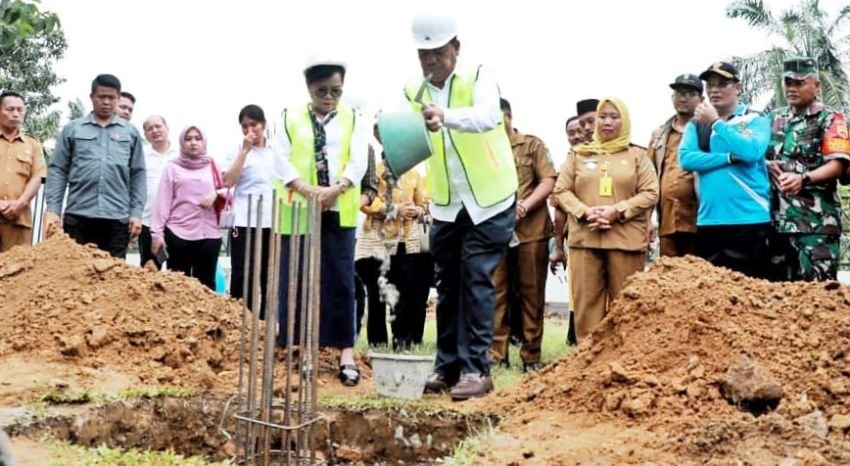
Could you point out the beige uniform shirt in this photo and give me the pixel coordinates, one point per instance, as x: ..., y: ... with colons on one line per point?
x: 21, y: 160
x: 635, y: 192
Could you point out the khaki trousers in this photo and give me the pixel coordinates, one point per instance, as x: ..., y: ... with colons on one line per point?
x: 523, y: 271
x: 14, y: 235
x: 596, y: 277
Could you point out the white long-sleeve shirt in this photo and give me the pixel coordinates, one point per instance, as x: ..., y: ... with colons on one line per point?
x: 358, y: 158
x: 257, y: 178
x: 154, y: 164
x: 484, y: 115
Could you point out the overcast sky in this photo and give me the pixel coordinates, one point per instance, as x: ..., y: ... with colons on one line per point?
x: 199, y: 62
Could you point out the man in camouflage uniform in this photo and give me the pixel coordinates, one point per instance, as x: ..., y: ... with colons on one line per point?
x: 808, y: 151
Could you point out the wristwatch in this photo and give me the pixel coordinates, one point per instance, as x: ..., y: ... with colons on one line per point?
x: 806, y: 178
x: 343, y: 186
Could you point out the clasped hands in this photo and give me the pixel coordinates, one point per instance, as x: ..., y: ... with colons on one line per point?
x: 601, y: 217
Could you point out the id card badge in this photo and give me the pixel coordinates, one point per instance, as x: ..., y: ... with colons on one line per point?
x: 606, y: 186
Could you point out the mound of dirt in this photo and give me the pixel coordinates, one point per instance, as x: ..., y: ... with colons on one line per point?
x: 62, y: 301
x: 716, y: 360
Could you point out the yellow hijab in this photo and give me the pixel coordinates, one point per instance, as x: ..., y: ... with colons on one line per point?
x: 619, y: 143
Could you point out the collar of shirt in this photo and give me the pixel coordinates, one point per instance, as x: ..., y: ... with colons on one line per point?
x: 321, y: 120
x: 812, y: 110
x: 446, y: 85
x: 517, y: 138
x: 170, y: 152
x: 116, y: 120
x: 18, y: 137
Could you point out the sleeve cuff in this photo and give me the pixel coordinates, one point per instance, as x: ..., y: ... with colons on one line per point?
x: 136, y: 213
x: 450, y: 118
x: 623, y: 210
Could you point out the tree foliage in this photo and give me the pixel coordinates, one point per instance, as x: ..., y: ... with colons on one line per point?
x: 31, y: 43
x: 805, y: 29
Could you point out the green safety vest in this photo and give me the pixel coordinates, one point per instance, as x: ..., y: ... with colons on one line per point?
x: 487, y: 158
x: 299, y: 131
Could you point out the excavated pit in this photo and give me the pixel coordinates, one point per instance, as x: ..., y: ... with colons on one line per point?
x: 205, y: 426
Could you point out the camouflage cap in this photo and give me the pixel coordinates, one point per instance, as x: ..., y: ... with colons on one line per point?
x: 721, y: 68
x: 687, y: 80
x: 799, y: 67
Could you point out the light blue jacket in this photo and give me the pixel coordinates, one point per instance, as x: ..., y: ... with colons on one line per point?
x: 732, y: 183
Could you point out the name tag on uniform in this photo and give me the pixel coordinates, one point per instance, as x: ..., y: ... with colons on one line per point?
x: 606, y: 186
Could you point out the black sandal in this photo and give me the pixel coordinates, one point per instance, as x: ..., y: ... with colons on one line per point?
x: 349, y: 375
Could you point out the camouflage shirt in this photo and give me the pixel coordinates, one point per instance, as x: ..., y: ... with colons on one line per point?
x: 802, y: 143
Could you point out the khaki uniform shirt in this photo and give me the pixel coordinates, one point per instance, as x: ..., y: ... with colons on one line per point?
x: 678, y: 205
x: 635, y: 192
x: 21, y: 160
x: 533, y: 165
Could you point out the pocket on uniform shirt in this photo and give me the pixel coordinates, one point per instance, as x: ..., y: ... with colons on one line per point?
x: 85, y: 144
x: 525, y: 168
x: 24, y: 165
x: 119, y: 149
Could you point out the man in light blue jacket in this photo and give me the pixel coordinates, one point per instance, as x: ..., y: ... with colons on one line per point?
x: 725, y: 145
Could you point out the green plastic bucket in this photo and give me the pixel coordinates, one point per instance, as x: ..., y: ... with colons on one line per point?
x: 405, y: 139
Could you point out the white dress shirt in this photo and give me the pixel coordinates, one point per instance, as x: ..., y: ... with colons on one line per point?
x: 484, y: 115
x: 154, y: 165
x: 357, y: 162
x: 257, y: 178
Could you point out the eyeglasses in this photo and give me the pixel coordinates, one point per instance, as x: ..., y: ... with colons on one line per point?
x: 322, y: 92
x: 687, y: 93
x: 719, y: 84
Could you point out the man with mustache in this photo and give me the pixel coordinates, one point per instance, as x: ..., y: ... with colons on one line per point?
x: 724, y: 145
x: 677, y: 203
x: 809, y: 149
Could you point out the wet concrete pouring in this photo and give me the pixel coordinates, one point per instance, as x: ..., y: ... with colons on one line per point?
x: 694, y: 365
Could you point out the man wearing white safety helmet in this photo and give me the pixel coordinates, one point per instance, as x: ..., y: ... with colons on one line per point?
x: 472, y: 182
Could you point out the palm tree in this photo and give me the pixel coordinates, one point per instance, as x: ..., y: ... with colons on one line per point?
x: 802, y: 30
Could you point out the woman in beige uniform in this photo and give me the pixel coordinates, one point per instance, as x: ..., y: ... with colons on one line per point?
x: 608, y: 187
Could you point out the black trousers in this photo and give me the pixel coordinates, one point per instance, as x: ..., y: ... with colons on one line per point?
x: 742, y: 248
x: 239, y: 249
x: 466, y: 256
x: 360, y: 302
x: 196, y: 258
x: 145, y: 242
x: 369, y: 269
x: 112, y: 236
x: 416, y: 273
x: 336, y: 283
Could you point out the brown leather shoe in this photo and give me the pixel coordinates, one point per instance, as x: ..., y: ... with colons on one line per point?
x: 471, y: 386
x: 436, y: 383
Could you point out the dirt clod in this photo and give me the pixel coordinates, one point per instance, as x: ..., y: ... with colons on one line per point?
x: 748, y: 385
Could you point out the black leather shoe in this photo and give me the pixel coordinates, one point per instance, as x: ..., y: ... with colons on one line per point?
x: 349, y: 375
x: 437, y: 383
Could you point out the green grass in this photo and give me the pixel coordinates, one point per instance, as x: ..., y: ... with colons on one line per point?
x: 102, y: 456
x: 54, y: 395
x: 466, y: 453
x: 553, y: 347
x: 153, y: 392
x: 362, y: 403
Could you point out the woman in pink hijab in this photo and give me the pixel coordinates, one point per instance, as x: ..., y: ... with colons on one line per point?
x: 184, y: 217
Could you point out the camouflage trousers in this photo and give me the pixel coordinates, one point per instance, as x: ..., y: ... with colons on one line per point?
x: 804, y: 257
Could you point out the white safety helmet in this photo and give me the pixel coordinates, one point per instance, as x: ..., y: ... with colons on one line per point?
x: 317, y: 59
x: 433, y: 31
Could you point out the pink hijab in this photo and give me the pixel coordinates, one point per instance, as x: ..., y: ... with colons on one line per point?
x: 189, y: 161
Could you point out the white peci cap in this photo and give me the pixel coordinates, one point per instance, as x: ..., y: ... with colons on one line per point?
x: 432, y: 31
